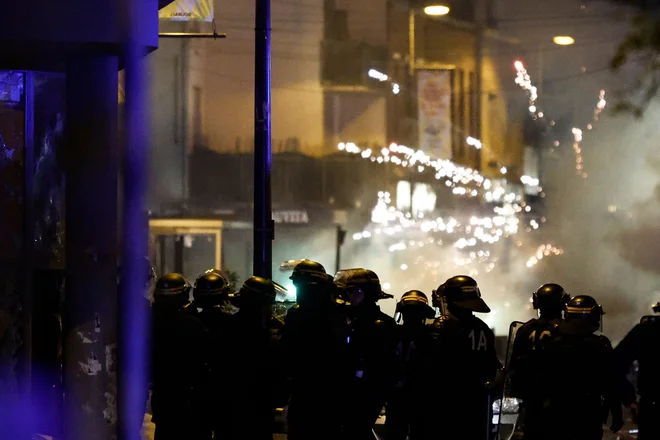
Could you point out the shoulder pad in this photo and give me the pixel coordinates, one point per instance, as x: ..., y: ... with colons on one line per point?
x: 292, y: 314
x: 530, y: 323
x: 604, y: 340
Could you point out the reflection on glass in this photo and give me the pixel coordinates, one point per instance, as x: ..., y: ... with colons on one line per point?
x: 49, y: 105
x: 48, y: 276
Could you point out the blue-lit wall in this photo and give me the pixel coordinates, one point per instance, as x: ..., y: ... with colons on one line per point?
x: 40, y: 34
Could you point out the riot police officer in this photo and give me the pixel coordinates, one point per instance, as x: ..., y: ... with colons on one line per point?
x: 527, y: 356
x: 255, y: 365
x: 211, y: 294
x: 549, y: 300
x: 413, y: 308
x: 373, y: 352
x: 460, y: 353
x: 577, y: 378
x: 640, y: 345
x: 315, y: 339
x: 179, y: 366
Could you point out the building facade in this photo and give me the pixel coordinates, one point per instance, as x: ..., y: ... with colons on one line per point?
x: 327, y: 57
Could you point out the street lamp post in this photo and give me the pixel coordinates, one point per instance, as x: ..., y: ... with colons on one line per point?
x: 263, y: 222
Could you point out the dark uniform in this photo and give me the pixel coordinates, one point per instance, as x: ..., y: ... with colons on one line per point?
x: 527, y: 366
x: 373, y: 365
x: 315, y: 342
x: 178, y: 364
x: 459, y: 353
x: 576, y: 389
x: 641, y: 345
x: 211, y: 295
x: 255, y: 365
x: 414, y: 309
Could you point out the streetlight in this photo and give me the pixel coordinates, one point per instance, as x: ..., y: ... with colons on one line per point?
x: 563, y: 40
x: 436, y: 9
x: 432, y: 9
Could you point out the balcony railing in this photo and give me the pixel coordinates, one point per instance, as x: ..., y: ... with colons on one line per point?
x: 340, y: 182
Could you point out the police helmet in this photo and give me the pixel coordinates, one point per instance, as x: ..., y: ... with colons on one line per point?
x: 211, y: 289
x: 550, y: 296
x: 215, y: 271
x: 172, y: 288
x: 255, y: 292
x: 656, y: 307
x: 463, y: 292
x: 360, y: 279
x: 584, y: 307
x: 308, y: 271
x: 417, y: 300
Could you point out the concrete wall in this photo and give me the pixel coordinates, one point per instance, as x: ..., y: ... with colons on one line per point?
x: 360, y: 118
x: 167, y: 164
x: 228, y: 76
x: 503, y: 111
x: 366, y: 20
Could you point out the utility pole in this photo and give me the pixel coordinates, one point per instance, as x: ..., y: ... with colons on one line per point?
x: 264, y: 228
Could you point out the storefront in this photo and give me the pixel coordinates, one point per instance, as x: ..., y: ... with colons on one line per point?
x: 60, y: 213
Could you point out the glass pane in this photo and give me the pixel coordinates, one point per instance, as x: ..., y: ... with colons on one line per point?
x: 12, y: 144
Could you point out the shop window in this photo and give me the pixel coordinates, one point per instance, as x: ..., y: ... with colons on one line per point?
x: 12, y: 196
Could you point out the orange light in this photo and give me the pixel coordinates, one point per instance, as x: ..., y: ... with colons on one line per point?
x: 563, y: 40
x: 436, y: 10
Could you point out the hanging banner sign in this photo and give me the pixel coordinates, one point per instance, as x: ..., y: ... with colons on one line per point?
x: 434, y: 112
x: 188, y: 10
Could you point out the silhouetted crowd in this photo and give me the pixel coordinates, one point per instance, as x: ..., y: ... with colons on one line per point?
x: 223, y: 365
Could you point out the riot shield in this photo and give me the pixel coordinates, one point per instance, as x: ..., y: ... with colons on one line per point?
x: 506, y: 409
x: 650, y: 318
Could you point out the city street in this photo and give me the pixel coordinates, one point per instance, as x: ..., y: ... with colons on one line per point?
x: 148, y: 432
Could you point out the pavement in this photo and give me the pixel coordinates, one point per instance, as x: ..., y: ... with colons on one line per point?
x: 148, y: 432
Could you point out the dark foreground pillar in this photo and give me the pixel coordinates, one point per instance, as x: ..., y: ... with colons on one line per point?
x: 91, y: 248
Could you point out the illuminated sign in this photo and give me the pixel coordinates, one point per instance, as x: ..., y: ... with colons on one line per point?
x: 291, y: 217
x: 188, y: 10
x: 423, y: 199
